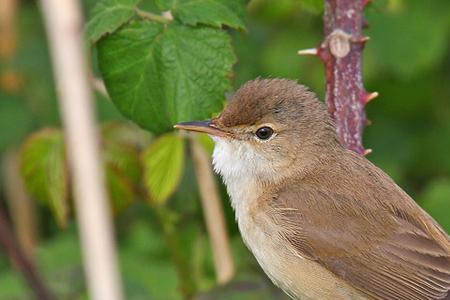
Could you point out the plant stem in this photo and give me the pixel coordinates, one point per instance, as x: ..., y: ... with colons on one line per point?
x: 151, y: 16
x: 64, y: 25
x: 12, y: 247
x: 167, y: 222
x: 213, y: 213
x: 341, y: 53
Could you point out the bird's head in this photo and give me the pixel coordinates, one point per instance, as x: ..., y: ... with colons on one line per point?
x: 270, y: 128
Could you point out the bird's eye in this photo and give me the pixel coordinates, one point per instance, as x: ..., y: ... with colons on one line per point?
x: 264, y: 133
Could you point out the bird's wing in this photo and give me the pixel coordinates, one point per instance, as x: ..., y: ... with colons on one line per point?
x: 384, y: 252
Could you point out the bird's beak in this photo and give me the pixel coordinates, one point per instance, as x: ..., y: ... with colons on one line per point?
x: 202, y: 126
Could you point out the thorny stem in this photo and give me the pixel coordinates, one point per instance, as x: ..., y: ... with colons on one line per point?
x: 341, y: 52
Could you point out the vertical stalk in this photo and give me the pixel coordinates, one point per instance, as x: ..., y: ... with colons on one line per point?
x: 64, y: 24
x: 341, y: 52
x: 22, y: 262
x: 213, y: 213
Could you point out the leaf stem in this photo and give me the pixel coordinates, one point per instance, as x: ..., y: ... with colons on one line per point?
x: 151, y: 16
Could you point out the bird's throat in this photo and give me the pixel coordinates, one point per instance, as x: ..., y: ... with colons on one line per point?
x: 240, y: 168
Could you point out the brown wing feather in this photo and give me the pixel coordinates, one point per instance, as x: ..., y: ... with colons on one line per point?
x: 371, y: 234
x: 408, y: 263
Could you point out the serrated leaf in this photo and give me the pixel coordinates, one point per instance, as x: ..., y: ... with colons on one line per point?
x: 121, y: 190
x: 209, y: 12
x: 122, y: 165
x: 108, y: 16
x: 126, y: 133
x: 163, y: 164
x: 43, y: 167
x: 158, y: 76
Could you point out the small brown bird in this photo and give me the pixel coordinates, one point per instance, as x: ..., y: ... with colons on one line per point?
x: 322, y: 221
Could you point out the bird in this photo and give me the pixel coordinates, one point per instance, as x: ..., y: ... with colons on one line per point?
x: 322, y: 221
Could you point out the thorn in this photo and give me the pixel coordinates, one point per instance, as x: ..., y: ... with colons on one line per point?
x: 311, y: 51
x: 366, y: 2
x: 370, y: 97
x: 367, y: 152
x: 364, y: 39
x: 368, y: 122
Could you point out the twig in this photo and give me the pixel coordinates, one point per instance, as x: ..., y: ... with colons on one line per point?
x: 14, y: 251
x: 213, y: 213
x: 341, y: 52
x: 64, y: 27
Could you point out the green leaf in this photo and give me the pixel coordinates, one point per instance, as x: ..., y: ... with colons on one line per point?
x: 163, y: 166
x: 43, y: 167
x: 108, y: 16
x: 120, y: 188
x: 209, y: 12
x: 123, y: 170
x: 126, y: 133
x: 436, y: 201
x: 158, y: 76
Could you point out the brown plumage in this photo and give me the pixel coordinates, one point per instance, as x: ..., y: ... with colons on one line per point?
x: 323, y: 222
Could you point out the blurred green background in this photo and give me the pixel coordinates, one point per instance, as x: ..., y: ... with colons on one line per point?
x: 407, y: 61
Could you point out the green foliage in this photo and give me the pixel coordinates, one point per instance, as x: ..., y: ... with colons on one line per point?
x: 158, y: 281
x: 314, y: 6
x: 108, y: 15
x: 13, y: 111
x: 209, y: 12
x: 121, y: 158
x: 436, y: 200
x: 410, y: 36
x: 163, y: 164
x: 45, y: 171
x: 159, y: 75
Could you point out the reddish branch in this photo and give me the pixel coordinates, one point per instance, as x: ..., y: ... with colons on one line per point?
x: 341, y: 52
x: 11, y: 246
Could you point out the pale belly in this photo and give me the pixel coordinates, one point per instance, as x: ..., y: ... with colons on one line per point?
x: 299, y: 277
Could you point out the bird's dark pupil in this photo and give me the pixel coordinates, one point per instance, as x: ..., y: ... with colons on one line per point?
x: 264, y: 133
